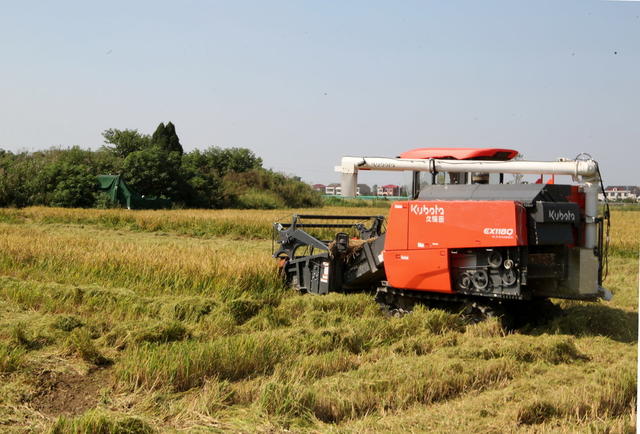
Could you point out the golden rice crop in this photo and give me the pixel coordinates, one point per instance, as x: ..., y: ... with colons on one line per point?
x: 625, y: 233
x: 246, y: 224
x: 152, y: 266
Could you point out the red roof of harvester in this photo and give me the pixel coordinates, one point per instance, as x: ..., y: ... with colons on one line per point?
x: 461, y: 153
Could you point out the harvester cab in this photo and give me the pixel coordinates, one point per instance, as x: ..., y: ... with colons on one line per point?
x: 465, y: 233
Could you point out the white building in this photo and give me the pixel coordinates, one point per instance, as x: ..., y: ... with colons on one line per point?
x: 333, y: 189
x: 336, y: 190
x: 621, y: 192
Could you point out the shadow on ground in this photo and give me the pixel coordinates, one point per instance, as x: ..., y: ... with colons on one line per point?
x: 592, y: 319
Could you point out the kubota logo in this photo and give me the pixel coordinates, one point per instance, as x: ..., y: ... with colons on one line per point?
x: 498, y: 231
x: 562, y: 216
x: 427, y: 210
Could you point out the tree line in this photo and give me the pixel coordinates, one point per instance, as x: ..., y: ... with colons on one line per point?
x: 154, y: 165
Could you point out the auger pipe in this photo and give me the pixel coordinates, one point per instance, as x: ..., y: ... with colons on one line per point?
x: 575, y: 168
x: 587, y: 170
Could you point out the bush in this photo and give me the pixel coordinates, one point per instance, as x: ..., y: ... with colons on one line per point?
x: 290, y: 192
x: 260, y: 200
x: 105, y: 201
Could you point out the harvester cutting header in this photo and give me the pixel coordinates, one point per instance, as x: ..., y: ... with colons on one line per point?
x: 464, y: 234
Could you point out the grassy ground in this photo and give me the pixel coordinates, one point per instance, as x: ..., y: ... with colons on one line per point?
x: 120, y: 321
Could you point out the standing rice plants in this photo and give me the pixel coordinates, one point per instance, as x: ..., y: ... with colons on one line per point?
x: 152, y: 268
x: 625, y: 237
x: 244, y: 224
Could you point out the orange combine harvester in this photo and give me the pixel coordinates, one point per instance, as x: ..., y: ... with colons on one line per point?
x: 464, y: 235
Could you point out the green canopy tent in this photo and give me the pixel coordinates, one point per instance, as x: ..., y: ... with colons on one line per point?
x: 127, y: 197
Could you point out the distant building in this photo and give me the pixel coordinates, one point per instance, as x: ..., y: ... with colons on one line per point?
x: 364, y: 190
x: 621, y: 192
x: 389, y: 190
x: 333, y: 189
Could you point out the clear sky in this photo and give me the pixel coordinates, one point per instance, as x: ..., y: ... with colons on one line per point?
x: 302, y: 83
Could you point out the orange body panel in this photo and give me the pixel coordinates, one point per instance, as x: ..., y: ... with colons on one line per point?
x: 426, y: 269
x: 419, y: 234
x: 458, y: 224
x: 398, y: 225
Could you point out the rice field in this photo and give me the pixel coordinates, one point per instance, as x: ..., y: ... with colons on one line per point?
x: 155, y: 321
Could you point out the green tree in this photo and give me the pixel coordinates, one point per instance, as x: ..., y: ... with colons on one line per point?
x: 154, y: 172
x: 75, y: 186
x: 203, y: 179
x: 223, y: 161
x: 166, y: 138
x: 240, y: 160
x: 67, y: 178
x: 22, y: 183
x: 123, y: 142
x: 173, y: 139
x: 204, y: 171
x: 151, y: 164
x: 106, y: 162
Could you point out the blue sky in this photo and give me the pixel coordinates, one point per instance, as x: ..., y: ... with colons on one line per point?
x: 302, y: 83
